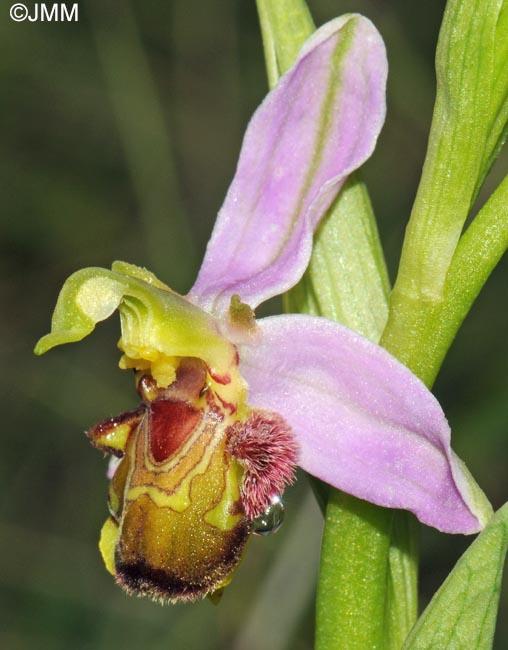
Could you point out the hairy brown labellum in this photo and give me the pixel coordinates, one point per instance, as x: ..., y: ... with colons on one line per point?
x: 177, y: 527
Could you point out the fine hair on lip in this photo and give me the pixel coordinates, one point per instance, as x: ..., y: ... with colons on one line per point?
x: 265, y: 445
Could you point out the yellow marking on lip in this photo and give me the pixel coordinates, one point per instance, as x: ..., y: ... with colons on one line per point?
x: 220, y: 516
x: 182, y: 529
x: 180, y: 541
x: 107, y: 543
x: 180, y: 499
x: 117, y: 437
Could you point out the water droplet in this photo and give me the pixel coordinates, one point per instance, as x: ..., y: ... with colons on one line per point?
x: 271, y: 519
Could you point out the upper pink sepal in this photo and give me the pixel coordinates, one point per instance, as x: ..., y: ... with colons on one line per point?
x: 364, y: 423
x: 319, y: 124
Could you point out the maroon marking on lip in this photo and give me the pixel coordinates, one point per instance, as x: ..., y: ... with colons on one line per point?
x: 217, y: 403
x: 171, y: 423
x: 220, y: 379
x: 226, y: 378
x: 226, y: 405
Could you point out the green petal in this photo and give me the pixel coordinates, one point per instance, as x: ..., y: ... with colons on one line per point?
x: 155, y: 320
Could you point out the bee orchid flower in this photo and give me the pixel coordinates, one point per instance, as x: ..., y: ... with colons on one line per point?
x: 231, y: 405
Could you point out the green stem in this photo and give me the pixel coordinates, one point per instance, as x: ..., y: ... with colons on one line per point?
x: 367, y: 592
x: 367, y: 589
x: 353, y: 578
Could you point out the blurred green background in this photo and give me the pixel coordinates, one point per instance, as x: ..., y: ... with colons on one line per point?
x: 120, y: 134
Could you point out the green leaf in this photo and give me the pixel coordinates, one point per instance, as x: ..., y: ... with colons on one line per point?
x: 420, y: 332
x: 479, y: 250
x: 462, y: 614
x: 401, y: 598
x: 285, y: 26
x: 497, y: 113
x: 468, y: 129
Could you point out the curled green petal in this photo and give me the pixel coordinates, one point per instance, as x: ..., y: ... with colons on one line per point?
x: 157, y: 323
x: 88, y: 296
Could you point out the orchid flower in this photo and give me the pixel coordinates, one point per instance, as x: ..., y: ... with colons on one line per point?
x: 229, y: 404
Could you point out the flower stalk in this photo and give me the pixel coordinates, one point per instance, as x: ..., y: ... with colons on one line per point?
x: 367, y: 591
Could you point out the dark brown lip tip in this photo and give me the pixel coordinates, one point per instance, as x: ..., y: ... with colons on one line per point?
x: 141, y: 579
